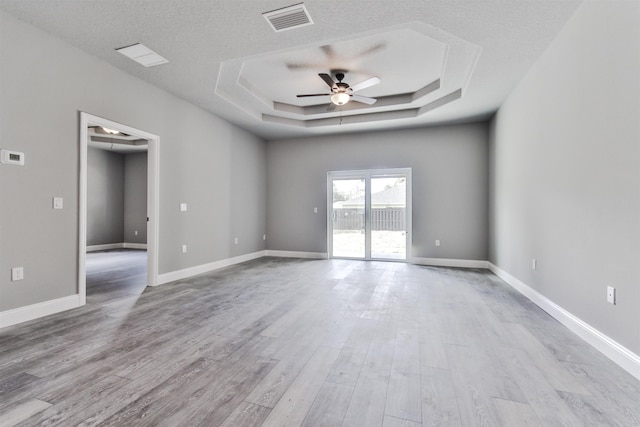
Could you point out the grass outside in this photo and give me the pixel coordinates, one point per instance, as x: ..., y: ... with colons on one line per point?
x: 384, y: 244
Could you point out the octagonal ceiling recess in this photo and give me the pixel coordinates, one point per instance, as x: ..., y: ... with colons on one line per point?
x: 420, y: 67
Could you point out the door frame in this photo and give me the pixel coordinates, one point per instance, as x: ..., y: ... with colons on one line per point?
x: 367, y: 174
x: 153, y: 196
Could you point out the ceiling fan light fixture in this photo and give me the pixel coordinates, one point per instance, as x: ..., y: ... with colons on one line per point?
x: 340, y: 98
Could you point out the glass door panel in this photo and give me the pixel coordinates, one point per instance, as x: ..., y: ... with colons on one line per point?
x: 369, y: 214
x: 388, y: 217
x: 348, y: 218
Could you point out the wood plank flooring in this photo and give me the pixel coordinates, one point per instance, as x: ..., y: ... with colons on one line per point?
x: 287, y: 342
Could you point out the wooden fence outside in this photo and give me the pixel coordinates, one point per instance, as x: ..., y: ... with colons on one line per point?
x: 391, y: 219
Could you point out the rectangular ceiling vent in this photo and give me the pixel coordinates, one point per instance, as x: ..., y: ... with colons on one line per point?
x: 289, y: 17
x: 142, y: 55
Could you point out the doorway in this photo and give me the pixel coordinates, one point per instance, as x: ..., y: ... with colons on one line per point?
x: 87, y: 122
x: 369, y: 214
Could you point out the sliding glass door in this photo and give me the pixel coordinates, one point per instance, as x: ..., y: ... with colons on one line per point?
x: 388, y: 217
x: 348, y: 217
x: 370, y: 214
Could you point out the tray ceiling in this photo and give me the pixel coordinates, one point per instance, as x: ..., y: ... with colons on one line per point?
x: 438, y: 61
x: 421, y: 68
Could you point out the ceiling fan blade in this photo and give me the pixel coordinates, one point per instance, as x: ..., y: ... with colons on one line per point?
x: 331, y: 107
x: 370, y: 50
x: 365, y: 84
x: 327, y: 79
x: 313, y: 94
x: 328, y: 50
x: 300, y: 66
x: 363, y: 99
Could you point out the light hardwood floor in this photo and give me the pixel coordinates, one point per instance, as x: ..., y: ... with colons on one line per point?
x: 285, y: 342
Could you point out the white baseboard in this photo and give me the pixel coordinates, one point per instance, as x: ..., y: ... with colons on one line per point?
x: 206, y: 268
x: 444, y: 262
x: 41, y: 309
x: 216, y: 265
x: 109, y: 246
x: 622, y: 356
x: 296, y: 254
x: 106, y: 247
x: 126, y: 245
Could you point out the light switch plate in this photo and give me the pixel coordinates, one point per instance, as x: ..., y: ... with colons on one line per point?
x: 611, y: 295
x: 58, y: 203
x: 183, y: 207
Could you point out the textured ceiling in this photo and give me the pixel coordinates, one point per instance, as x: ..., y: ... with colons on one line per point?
x: 225, y: 58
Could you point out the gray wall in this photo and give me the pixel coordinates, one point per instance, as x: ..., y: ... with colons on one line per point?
x: 450, y: 186
x: 135, y: 198
x: 116, y: 197
x: 565, y: 179
x: 197, y: 165
x: 249, y: 195
x: 105, y: 197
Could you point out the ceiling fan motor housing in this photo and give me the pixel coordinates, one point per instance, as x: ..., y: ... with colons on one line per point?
x: 341, y: 92
x: 341, y: 87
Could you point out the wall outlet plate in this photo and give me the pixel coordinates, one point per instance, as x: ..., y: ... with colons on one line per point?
x: 58, y: 203
x: 611, y: 295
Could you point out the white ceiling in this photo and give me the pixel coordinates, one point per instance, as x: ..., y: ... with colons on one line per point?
x: 466, y: 56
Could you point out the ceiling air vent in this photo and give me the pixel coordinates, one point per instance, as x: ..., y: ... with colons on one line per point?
x: 142, y: 55
x: 289, y: 17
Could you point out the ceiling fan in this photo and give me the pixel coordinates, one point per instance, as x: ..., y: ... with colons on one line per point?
x: 341, y: 93
x: 333, y: 57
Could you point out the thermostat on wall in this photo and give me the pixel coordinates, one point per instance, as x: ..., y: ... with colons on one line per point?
x: 12, y: 157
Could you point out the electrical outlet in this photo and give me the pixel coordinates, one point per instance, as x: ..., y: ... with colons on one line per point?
x: 135, y: 233
x: 611, y: 295
x: 315, y: 210
x: 437, y: 242
x: 17, y: 273
x: 184, y: 249
x: 264, y: 237
x: 235, y: 240
x: 534, y: 264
